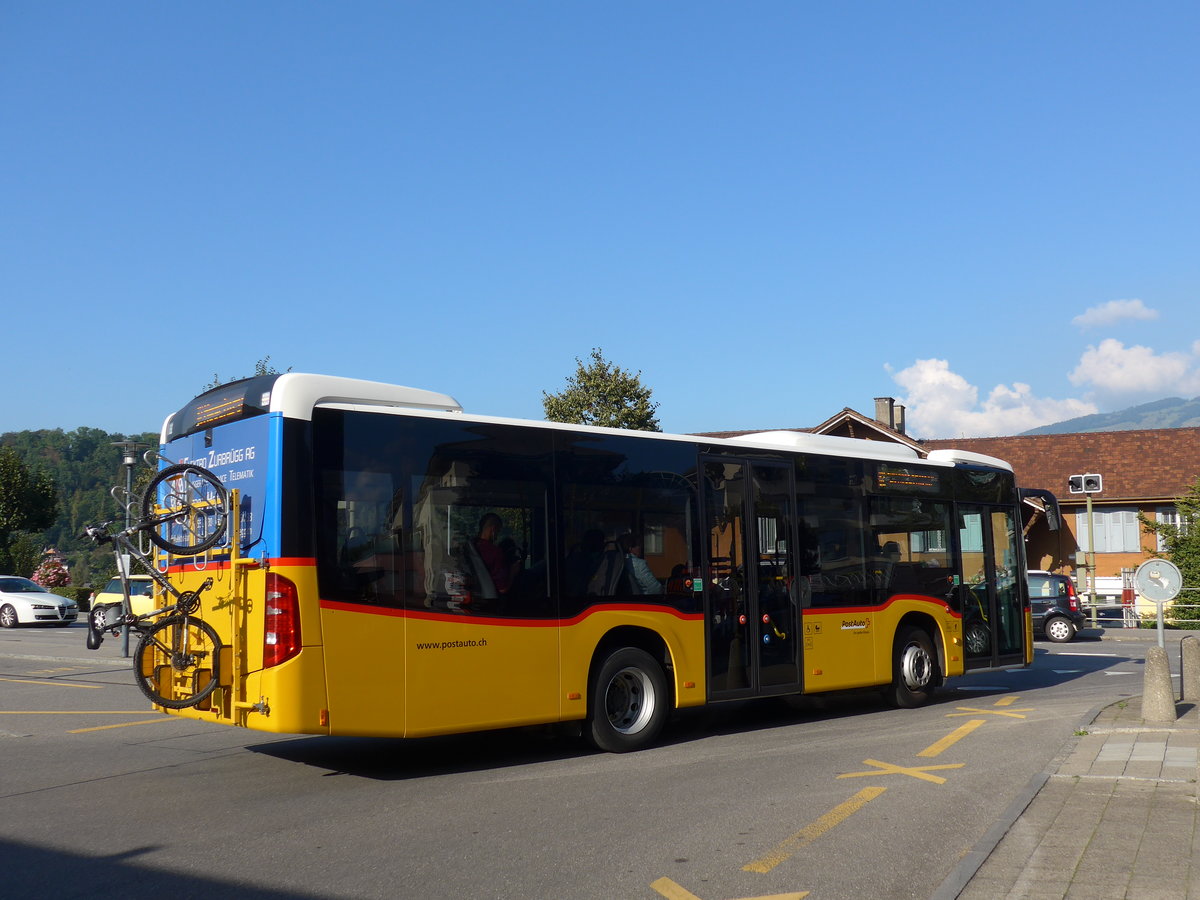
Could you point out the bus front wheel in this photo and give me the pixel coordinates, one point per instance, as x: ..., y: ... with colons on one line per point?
x: 914, y: 669
x: 628, y: 702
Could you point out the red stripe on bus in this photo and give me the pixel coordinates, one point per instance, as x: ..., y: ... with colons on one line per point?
x: 852, y: 610
x: 223, y: 563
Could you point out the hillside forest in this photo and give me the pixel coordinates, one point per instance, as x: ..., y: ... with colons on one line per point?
x: 84, y: 465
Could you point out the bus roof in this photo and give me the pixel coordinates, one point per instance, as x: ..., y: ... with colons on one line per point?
x: 295, y: 395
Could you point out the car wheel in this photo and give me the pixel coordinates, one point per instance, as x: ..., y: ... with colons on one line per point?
x: 1059, y: 630
x: 976, y: 639
x: 8, y: 617
x: 98, y: 616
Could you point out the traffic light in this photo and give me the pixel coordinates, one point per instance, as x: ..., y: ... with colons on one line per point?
x: 1085, y: 484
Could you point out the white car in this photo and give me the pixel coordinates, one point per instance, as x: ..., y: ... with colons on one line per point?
x: 24, y: 602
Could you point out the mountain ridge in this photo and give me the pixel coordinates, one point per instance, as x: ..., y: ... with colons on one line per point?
x: 1170, y: 412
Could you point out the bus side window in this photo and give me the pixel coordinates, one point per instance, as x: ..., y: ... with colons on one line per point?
x: 628, y: 522
x: 833, y: 564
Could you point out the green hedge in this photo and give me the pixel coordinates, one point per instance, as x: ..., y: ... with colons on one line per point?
x: 75, y: 592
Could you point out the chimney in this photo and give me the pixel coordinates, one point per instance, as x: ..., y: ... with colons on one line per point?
x: 883, y: 410
x: 899, y: 418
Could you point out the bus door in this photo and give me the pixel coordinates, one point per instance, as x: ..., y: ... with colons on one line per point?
x: 751, y: 609
x: 990, y: 597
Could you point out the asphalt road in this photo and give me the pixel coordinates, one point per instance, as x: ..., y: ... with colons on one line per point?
x: 101, y: 797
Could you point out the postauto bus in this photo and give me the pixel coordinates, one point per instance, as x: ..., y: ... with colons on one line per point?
x: 397, y: 567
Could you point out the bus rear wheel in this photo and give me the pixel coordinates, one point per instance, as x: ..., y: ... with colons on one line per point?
x: 628, y: 702
x: 914, y: 669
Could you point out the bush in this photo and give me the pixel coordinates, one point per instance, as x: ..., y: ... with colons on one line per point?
x: 75, y: 592
x: 51, y: 574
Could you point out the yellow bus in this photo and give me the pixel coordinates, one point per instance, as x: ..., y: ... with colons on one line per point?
x: 397, y: 567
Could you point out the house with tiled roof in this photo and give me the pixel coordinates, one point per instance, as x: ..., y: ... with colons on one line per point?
x: 1141, y: 472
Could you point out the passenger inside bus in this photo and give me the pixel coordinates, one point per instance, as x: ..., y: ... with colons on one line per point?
x: 499, y: 567
x: 641, y: 579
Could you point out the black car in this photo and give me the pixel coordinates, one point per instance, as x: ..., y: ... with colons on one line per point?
x: 1056, y: 609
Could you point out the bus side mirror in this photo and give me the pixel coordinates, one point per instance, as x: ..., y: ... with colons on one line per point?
x: 1049, y: 504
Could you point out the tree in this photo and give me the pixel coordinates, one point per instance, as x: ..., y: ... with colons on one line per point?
x: 28, y: 501
x: 601, y: 393
x: 83, y: 465
x: 24, y: 554
x: 262, y: 367
x: 1181, y: 545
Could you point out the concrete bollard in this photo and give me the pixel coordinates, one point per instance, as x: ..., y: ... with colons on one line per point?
x: 1158, y: 697
x: 1189, y: 667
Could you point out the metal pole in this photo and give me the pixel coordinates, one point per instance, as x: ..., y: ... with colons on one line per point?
x: 129, y: 463
x: 1091, y: 560
x: 1162, y: 638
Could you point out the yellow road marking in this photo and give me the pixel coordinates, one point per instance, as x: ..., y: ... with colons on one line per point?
x: 971, y: 710
x: 786, y: 848
x: 672, y: 891
x: 669, y: 889
x: 810, y: 833
x: 952, y: 738
x: 90, y: 687
x: 922, y: 772
x: 119, y: 725
x: 72, y: 712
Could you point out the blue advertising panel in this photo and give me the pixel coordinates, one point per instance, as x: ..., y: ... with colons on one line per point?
x: 239, y: 453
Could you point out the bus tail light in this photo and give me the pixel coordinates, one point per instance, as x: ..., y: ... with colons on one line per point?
x: 281, y: 630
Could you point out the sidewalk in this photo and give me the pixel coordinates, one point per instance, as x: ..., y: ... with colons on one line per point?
x: 1120, y: 818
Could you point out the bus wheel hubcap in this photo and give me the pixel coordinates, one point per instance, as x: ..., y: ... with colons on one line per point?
x: 916, y: 666
x: 629, y: 701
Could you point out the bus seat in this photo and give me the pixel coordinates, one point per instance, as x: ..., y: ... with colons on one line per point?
x: 607, y: 577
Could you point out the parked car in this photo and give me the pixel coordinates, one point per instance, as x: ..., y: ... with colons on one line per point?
x: 106, y: 604
x: 1056, y: 610
x: 25, y: 602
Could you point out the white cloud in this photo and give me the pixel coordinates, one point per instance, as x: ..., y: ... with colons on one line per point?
x: 1114, y: 311
x: 1114, y: 368
x: 941, y: 403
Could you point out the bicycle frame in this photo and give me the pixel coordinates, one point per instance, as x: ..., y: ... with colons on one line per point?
x: 184, y: 602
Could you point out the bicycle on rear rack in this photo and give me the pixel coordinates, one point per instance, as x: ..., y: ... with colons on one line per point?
x: 183, y: 512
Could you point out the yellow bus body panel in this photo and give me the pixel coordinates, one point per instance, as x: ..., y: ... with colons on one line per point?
x: 410, y: 673
x: 289, y: 698
x: 682, y: 634
x: 852, y: 648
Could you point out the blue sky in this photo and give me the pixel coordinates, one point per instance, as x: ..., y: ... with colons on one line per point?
x: 772, y: 210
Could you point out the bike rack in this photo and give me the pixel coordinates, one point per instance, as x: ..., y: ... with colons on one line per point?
x: 228, y: 699
x: 239, y: 567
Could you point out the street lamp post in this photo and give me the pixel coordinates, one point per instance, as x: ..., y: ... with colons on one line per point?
x: 129, y: 459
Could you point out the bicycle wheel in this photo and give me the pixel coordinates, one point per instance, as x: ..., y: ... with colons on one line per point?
x: 186, y: 505
x: 176, y: 661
